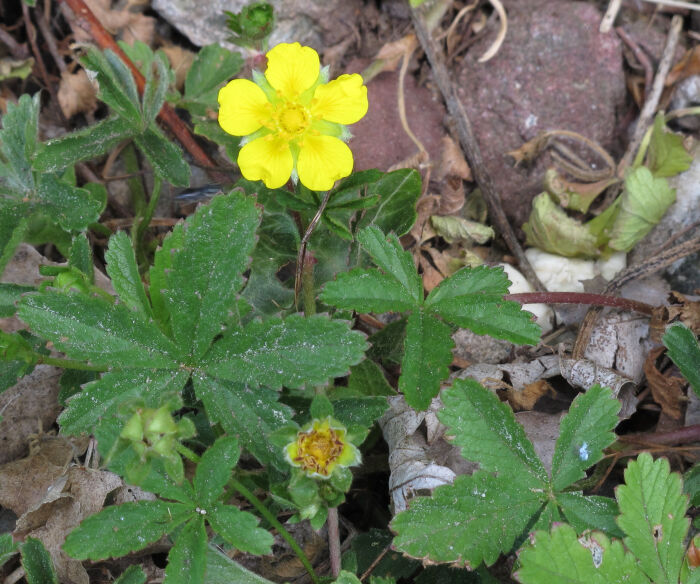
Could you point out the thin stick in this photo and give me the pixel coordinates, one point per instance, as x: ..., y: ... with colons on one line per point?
x: 470, y: 145
x: 640, y: 56
x: 89, y: 22
x: 334, y: 541
x: 675, y: 4
x: 51, y: 43
x: 651, y: 102
x: 610, y: 16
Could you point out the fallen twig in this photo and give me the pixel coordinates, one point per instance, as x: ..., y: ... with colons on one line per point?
x: 470, y: 145
x: 89, y: 22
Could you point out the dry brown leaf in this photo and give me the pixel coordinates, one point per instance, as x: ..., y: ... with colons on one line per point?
x: 502, y: 31
x: 452, y: 196
x: 666, y: 390
x: 452, y: 161
x: 24, y: 483
x: 392, y: 53
x: 139, y: 27
x: 426, y: 206
x: 688, y: 65
x: 76, y: 94
x: 526, y: 398
x: 181, y: 61
x: 679, y: 308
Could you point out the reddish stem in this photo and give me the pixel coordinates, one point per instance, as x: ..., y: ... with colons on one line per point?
x: 685, y: 435
x: 581, y: 298
x: 88, y: 21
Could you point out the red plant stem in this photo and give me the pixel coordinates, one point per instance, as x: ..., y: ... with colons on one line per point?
x: 581, y: 298
x: 88, y: 21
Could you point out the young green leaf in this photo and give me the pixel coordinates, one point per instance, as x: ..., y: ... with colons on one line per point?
x: 552, y: 230
x: 37, y: 563
x: 366, y: 378
x: 250, y: 415
x: 240, y: 529
x: 156, y: 87
x: 165, y: 156
x: 223, y: 570
x: 667, y: 156
x: 102, y: 398
x: 653, y: 506
x: 292, y: 352
x: 71, y: 207
x: 187, y: 559
x: 18, y: 142
x: 398, y: 192
x: 583, y: 434
x: 211, y: 67
x: 386, y: 251
x: 589, y: 512
x: 90, y: 142
x: 207, y: 269
x: 8, y: 548
x: 81, y: 256
x: 124, y: 272
x: 366, y: 290
x: 426, y: 360
x: 473, y: 298
x: 132, y: 575
x: 214, y: 470
x: 644, y: 201
x: 684, y: 351
x: 468, y: 522
x: 93, y: 329
x: 10, y: 294
x: 560, y: 556
x: 116, y: 531
x: 487, y: 432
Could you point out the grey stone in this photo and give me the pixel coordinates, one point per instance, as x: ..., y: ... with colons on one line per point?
x: 553, y: 71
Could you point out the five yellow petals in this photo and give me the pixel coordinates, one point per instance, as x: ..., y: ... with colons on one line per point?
x: 295, y: 121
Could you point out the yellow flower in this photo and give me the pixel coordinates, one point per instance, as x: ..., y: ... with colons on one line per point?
x: 320, y: 447
x: 294, y: 119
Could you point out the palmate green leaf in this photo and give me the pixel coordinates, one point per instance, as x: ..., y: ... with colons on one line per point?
x: 9, y: 296
x: 223, y: 570
x: 396, y: 211
x: 71, y: 207
x: 684, y: 351
x: 487, y: 432
x: 667, y: 156
x: 366, y: 290
x: 124, y: 273
x: 653, y: 506
x: 37, y: 563
x: 157, y: 83
x: 249, y: 414
x: 472, y: 298
x: 386, y: 251
x: 207, y: 269
x: 471, y: 521
x: 117, y: 87
x: 164, y: 156
x: 81, y: 256
x: 366, y: 378
x: 240, y: 529
x: 589, y: 512
x: 643, y: 204
x: 115, y: 531
x: 94, y: 329
x: 560, y: 556
x: 102, y: 398
x: 211, y: 67
x: 90, y: 142
x: 214, y: 469
x: 583, y: 434
x: 159, y: 276
x: 18, y: 142
x: 426, y: 360
x: 292, y: 352
x: 187, y: 560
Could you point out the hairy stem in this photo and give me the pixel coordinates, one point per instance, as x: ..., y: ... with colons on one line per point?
x: 581, y: 298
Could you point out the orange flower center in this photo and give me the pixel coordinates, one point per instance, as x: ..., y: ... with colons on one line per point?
x: 291, y: 119
x: 318, y: 450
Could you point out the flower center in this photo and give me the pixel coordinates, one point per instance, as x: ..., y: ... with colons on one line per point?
x: 318, y: 449
x: 292, y: 120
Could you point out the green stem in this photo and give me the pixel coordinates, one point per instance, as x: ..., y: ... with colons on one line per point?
x: 307, y: 288
x: 138, y: 193
x: 145, y: 220
x: 272, y: 520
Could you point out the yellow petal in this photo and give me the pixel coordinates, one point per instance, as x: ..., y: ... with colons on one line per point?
x: 292, y: 69
x: 243, y: 107
x: 322, y: 161
x: 343, y: 100
x: 267, y: 159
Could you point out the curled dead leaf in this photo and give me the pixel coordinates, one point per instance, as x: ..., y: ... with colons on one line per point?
x: 391, y: 53
x: 528, y: 396
x: 76, y: 94
x: 502, y: 31
x: 667, y: 390
x: 180, y: 60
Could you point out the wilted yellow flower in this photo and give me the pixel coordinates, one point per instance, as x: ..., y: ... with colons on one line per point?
x: 320, y: 447
x: 294, y: 119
